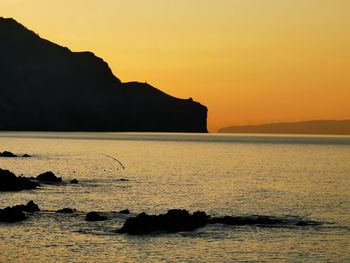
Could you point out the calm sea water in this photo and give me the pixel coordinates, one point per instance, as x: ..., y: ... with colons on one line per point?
x: 284, y: 176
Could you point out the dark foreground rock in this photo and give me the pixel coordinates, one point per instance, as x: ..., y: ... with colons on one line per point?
x: 74, y: 181
x: 174, y: 220
x: 49, y: 177
x: 66, y: 211
x: 10, y: 182
x: 94, y: 216
x: 15, y: 213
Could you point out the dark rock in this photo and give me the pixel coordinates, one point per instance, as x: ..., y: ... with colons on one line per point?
x: 174, y: 220
x: 65, y: 211
x: 74, y: 181
x: 55, y: 89
x: 49, y: 177
x: 31, y: 207
x: 123, y: 180
x: 10, y: 182
x: 15, y: 213
x: 7, y: 154
x: 125, y: 211
x: 12, y: 214
x: 26, y: 155
x: 94, y: 216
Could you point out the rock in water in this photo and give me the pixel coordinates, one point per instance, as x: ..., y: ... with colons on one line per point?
x: 49, y: 177
x: 94, y: 216
x: 125, y: 211
x: 65, y: 211
x: 29, y: 207
x: 7, y: 154
x: 55, y: 89
x: 74, y: 181
x: 12, y: 214
x: 15, y: 213
x: 174, y: 220
x: 10, y: 182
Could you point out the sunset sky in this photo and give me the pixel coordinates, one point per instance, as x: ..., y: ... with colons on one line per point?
x: 248, y: 61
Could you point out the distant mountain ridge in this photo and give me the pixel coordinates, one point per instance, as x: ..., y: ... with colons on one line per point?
x: 47, y: 87
x: 336, y: 127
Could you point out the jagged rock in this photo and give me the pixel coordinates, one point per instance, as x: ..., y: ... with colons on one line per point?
x: 7, y: 154
x: 49, y: 177
x: 29, y: 207
x: 74, y: 181
x: 174, y: 220
x: 15, y: 213
x: 94, y: 216
x: 10, y: 182
x: 65, y: 211
x: 12, y: 214
x: 125, y: 211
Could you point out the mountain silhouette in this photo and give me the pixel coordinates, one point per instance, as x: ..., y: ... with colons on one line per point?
x: 341, y: 127
x: 47, y: 87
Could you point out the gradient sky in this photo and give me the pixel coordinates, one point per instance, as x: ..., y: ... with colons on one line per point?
x: 249, y: 61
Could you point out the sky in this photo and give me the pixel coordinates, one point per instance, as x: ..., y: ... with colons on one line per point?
x: 248, y: 61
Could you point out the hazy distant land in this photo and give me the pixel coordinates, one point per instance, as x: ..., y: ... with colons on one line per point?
x: 336, y: 127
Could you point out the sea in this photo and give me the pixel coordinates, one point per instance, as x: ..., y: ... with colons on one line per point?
x: 283, y: 176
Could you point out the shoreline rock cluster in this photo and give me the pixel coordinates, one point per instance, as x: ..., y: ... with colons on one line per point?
x: 8, y: 154
x: 10, y: 182
x: 16, y: 213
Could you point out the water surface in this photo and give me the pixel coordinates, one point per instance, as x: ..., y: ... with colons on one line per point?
x: 304, y: 177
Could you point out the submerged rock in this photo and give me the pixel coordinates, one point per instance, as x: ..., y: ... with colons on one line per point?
x: 49, y: 177
x: 175, y: 220
x: 15, y: 213
x: 74, y: 181
x: 10, y: 182
x: 26, y: 155
x: 7, y: 154
x: 66, y: 211
x: 125, y: 211
x: 245, y: 220
x: 94, y: 216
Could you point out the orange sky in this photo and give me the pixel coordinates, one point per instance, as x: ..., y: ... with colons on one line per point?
x: 249, y: 61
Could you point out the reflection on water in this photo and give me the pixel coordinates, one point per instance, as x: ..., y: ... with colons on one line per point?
x: 305, y: 176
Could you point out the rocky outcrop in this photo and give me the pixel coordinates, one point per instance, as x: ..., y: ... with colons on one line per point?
x: 49, y: 177
x: 94, y: 216
x: 10, y: 182
x: 12, y: 155
x: 47, y: 87
x: 174, y: 220
x: 15, y: 213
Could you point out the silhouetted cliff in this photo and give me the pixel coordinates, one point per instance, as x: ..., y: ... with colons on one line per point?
x: 46, y: 87
x: 306, y: 127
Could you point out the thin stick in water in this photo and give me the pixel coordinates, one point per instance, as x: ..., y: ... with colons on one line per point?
x: 115, y: 159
